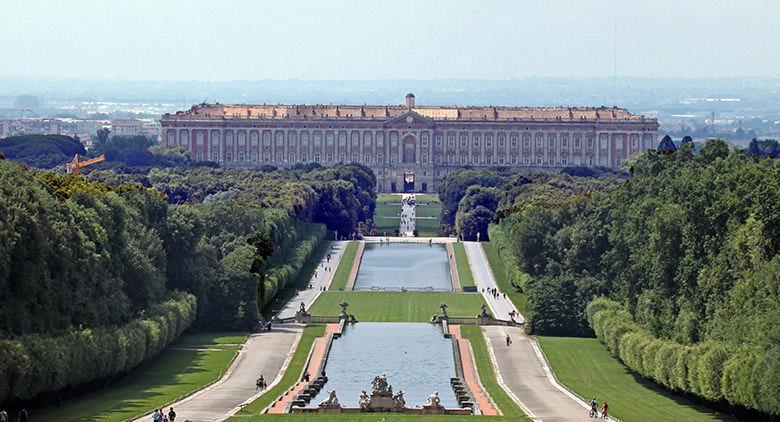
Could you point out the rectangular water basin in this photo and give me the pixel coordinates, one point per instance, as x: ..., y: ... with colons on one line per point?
x: 398, y: 266
x: 415, y: 357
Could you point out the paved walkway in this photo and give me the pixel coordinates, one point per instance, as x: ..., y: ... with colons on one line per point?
x: 525, y: 373
x: 471, y: 376
x: 314, y: 367
x: 454, y: 276
x: 483, y: 278
x: 264, y: 353
x: 407, y: 216
x: 320, y: 279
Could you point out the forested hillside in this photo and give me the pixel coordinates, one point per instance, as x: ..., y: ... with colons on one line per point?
x: 98, y: 276
x: 686, y: 250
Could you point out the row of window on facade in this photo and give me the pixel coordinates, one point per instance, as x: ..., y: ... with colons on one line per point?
x: 552, y: 139
x: 538, y: 160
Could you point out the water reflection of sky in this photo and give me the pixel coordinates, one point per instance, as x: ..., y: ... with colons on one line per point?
x: 415, y: 357
x: 411, y: 265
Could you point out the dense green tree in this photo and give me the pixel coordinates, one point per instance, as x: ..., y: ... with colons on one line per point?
x: 688, y: 250
x: 44, y: 151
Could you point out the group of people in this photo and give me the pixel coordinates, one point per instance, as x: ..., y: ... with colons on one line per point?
x: 494, y: 291
x: 20, y: 417
x: 407, y: 220
x: 160, y: 416
x: 594, y: 409
x: 260, y: 384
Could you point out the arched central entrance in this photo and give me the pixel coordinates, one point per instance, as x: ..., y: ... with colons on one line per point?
x: 409, y: 149
x: 408, y: 181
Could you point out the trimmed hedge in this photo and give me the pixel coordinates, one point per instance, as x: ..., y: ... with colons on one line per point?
x: 294, y: 252
x: 499, y: 237
x: 743, y: 375
x: 34, y: 364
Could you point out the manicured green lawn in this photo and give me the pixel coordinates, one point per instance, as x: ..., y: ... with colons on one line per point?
x: 486, y: 375
x: 341, y: 275
x: 398, y: 306
x: 294, y: 370
x: 387, y: 209
x: 464, y: 269
x: 428, y: 210
x: 427, y: 228
x: 519, y: 299
x: 427, y: 198
x: 388, y: 197
x: 585, y: 366
x: 386, y: 219
x: 189, y: 364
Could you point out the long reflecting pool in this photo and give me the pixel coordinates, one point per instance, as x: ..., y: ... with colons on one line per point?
x: 415, y: 357
x: 413, y: 266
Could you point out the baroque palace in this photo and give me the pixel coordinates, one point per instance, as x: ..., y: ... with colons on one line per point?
x: 410, y: 148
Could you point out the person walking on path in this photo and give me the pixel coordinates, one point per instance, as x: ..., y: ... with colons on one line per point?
x: 260, y: 383
x: 604, y: 410
x: 594, y: 408
x: 172, y: 415
x: 508, y: 340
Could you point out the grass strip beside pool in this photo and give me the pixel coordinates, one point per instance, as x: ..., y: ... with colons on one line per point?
x: 585, y: 366
x: 486, y: 375
x: 398, y: 306
x: 291, y: 374
x: 496, y: 266
x: 341, y: 275
x: 464, y: 269
x: 190, y: 363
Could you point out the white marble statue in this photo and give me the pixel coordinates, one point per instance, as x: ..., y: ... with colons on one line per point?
x: 399, y: 400
x: 331, y: 401
x: 433, y: 400
x: 364, y: 401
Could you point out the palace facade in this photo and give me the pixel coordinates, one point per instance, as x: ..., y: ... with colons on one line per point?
x: 409, y: 147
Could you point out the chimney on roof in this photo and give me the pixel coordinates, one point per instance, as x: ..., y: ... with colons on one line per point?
x: 410, y: 100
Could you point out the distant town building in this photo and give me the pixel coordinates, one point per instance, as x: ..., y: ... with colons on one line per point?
x: 29, y: 126
x: 409, y: 147
x: 126, y: 127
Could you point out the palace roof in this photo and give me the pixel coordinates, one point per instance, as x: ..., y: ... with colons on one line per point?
x: 207, y: 111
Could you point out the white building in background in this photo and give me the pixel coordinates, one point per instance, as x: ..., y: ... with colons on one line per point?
x: 409, y: 147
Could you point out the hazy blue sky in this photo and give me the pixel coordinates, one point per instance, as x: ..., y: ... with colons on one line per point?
x: 232, y: 40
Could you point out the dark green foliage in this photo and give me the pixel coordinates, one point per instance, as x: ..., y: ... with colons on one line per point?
x: 74, y: 253
x: 342, y: 197
x: 453, y: 188
x: 38, y: 363
x: 44, y: 151
x: 585, y: 171
x: 743, y: 374
x: 476, y: 211
x: 764, y: 148
x: 142, y: 151
x: 211, y: 250
x: 85, y: 257
x: 689, y: 248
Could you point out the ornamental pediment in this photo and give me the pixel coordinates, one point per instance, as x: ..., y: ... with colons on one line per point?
x: 409, y: 118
